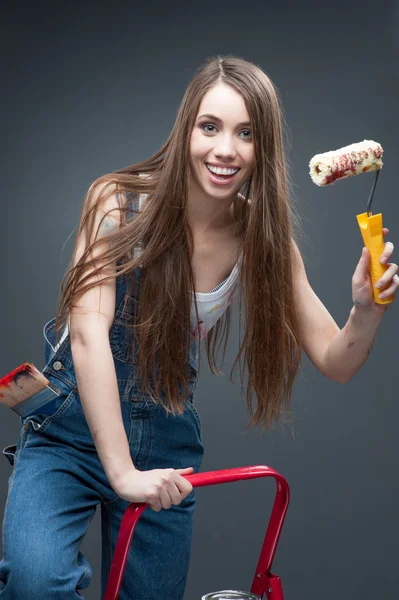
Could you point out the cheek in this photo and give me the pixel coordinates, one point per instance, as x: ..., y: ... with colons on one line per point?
x: 199, y: 147
x: 250, y: 157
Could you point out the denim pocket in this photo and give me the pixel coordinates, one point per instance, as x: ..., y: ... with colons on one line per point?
x: 140, y: 435
x: 121, y: 334
x: 61, y: 404
x: 12, y: 451
x: 142, y: 408
x: 9, y: 452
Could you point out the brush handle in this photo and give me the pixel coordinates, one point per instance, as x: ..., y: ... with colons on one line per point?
x: 371, y: 230
x: 42, y: 402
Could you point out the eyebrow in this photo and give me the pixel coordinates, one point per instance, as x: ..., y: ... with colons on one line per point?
x: 244, y: 124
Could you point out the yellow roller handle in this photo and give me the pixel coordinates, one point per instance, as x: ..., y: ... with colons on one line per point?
x: 371, y: 230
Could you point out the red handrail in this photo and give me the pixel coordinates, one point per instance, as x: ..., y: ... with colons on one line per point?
x: 264, y: 581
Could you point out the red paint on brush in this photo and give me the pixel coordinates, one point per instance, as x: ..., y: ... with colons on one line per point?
x: 21, y: 371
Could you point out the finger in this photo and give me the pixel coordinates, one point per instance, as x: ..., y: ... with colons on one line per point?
x: 155, y: 505
x: 186, y: 471
x: 390, y: 291
x: 385, y: 230
x: 165, y: 499
x: 362, y: 271
x: 185, y: 487
x: 364, y: 262
x: 388, y: 249
x: 389, y: 274
x: 183, y: 495
x: 174, y: 494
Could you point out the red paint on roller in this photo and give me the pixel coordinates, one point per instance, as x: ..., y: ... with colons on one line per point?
x: 344, y: 164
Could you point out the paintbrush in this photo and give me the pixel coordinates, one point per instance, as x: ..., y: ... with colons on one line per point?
x: 27, y: 391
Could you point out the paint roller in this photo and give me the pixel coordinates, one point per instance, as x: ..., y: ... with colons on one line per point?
x: 361, y: 157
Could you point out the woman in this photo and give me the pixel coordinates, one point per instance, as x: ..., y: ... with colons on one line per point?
x: 162, y: 248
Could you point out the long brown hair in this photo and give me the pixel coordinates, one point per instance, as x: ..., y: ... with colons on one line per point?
x: 264, y: 210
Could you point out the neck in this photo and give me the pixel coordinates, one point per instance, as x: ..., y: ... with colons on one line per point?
x: 206, y: 213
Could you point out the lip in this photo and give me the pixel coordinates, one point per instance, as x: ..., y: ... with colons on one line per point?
x: 216, y: 181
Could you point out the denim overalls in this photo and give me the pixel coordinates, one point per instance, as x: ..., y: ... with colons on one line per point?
x: 58, y: 480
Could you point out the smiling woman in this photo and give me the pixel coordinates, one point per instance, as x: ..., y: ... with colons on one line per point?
x: 163, y: 248
x: 216, y: 195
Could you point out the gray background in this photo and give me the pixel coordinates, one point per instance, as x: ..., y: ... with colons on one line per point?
x: 89, y: 89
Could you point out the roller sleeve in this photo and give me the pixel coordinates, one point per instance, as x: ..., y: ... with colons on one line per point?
x: 354, y: 159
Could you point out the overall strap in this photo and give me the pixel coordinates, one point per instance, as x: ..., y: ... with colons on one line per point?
x: 133, y: 206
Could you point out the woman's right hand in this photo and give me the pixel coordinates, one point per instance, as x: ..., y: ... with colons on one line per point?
x: 160, y: 488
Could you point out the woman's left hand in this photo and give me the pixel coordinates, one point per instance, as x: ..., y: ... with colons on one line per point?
x: 362, y: 286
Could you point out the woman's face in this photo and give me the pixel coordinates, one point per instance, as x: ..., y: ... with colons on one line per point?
x: 222, y: 138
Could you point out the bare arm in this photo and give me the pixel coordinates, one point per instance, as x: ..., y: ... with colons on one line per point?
x: 98, y: 389
x: 90, y: 323
x: 350, y: 347
x: 337, y: 353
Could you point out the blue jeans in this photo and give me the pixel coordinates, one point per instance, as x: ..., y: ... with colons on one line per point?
x: 58, y: 480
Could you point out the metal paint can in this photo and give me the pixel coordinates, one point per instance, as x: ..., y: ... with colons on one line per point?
x: 231, y: 595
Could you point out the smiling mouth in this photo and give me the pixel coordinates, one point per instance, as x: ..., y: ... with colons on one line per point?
x: 221, y: 176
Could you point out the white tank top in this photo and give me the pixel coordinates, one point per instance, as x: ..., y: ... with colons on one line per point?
x: 211, y: 305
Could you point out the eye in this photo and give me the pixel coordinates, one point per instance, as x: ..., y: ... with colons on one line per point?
x: 247, y: 137
x: 207, y: 125
x: 248, y: 131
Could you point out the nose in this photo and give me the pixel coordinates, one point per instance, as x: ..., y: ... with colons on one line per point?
x: 225, y: 148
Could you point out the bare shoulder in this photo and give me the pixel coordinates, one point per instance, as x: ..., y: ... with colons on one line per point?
x: 106, y: 189
x: 106, y: 200
x: 298, y: 264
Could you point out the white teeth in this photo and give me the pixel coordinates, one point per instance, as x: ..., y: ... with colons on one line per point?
x: 220, y: 171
